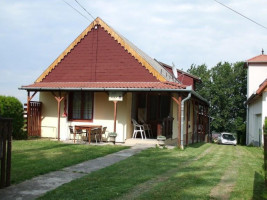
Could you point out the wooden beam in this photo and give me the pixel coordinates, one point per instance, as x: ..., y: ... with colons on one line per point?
x: 187, y: 118
x: 193, y: 122
x: 178, y: 101
x: 115, y: 115
x: 59, y: 99
x: 197, y: 119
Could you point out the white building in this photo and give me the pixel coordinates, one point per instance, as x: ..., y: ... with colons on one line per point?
x: 256, y: 98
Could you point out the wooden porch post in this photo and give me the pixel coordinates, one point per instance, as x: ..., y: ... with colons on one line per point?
x: 193, y: 122
x: 208, y: 126
x: 59, y: 99
x: 115, y: 115
x: 203, y: 123
x: 197, y: 104
x: 29, y: 98
x: 178, y: 101
x: 187, y: 117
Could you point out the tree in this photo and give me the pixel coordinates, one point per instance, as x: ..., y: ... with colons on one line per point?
x: 224, y: 86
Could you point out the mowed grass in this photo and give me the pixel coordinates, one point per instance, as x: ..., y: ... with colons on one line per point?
x: 31, y: 158
x: 173, y: 174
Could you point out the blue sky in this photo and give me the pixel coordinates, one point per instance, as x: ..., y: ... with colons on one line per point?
x: 183, y: 32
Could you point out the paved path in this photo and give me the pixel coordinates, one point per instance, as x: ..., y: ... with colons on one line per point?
x: 31, y: 189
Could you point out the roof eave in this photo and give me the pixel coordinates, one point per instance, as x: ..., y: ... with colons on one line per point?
x: 117, y: 89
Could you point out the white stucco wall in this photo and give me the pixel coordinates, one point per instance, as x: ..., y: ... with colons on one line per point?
x: 103, y: 115
x: 255, y: 122
x: 257, y: 110
x: 256, y: 75
x: 264, y: 106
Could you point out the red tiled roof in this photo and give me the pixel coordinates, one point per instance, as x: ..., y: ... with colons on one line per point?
x: 259, y: 92
x: 103, y: 85
x: 259, y: 58
x: 262, y: 87
x: 100, y: 54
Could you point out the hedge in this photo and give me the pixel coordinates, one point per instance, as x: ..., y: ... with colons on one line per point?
x: 11, y: 107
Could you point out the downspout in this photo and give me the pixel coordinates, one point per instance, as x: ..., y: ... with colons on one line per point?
x: 247, y: 128
x: 182, y: 119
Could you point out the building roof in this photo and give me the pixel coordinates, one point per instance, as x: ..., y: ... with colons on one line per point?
x: 169, y: 68
x: 107, y: 85
x: 259, y: 58
x: 262, y: 58
x: 89, y: 59
x: 262, y: 88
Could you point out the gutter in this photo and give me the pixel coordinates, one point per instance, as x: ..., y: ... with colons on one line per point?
x: 182, y: 119
x: 188, y: 89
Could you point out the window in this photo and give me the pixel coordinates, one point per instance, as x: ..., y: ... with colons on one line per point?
x: 81, y: 106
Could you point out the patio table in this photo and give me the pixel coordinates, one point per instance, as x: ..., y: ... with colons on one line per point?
x: 88, y: 128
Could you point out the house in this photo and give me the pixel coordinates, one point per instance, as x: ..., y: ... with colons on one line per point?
x: 104, y: 79
x: 256, y: 98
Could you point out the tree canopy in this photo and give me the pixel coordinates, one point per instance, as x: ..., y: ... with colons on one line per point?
x: 225, y: 87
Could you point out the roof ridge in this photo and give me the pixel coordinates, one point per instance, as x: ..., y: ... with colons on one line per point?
x: 126, y: 44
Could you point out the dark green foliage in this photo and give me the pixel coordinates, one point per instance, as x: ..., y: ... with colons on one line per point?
x: 10, y: 107
x: 225, y: 87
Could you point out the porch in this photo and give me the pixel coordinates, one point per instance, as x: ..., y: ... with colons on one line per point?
x: 162, y: 110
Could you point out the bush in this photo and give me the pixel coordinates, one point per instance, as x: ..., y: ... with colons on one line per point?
x: 11, y: 107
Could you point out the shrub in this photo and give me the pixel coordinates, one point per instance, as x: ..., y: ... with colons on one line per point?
x: 11, y: 107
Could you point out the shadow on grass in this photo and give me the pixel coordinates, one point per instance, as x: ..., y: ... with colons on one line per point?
x: 259, y: 189
x: 48, y: 147
x: 195, y: 145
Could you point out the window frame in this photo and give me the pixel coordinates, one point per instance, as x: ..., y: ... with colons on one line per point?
x: 70, y: 106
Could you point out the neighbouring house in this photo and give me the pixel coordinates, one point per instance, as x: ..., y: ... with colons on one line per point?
x: 104, y: 79
x: 256, y: 98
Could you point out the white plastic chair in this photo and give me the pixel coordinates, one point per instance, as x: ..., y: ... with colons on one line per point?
x: 138, y: 128
x: 147, y: 127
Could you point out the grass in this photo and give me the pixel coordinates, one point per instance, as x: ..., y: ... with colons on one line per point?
x: 173, y: 174
x: 31, y: 158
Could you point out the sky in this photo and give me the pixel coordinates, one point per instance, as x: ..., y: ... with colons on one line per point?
x: 184, y: 32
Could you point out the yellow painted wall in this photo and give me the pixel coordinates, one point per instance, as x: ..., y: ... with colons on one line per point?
x: 103, y: 115
x: 175, y: 121
x: 49, y: 116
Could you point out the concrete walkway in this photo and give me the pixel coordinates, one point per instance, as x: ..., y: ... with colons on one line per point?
x: 31, y: 189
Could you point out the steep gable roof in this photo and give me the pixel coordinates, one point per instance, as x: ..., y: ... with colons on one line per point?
x: 96, y: 65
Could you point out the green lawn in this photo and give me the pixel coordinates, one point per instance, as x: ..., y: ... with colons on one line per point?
x: 201, y: 171
x: 35, y: 157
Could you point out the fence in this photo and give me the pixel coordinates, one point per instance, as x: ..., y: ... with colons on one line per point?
x: 5, y: 151
x: 32, y: 117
